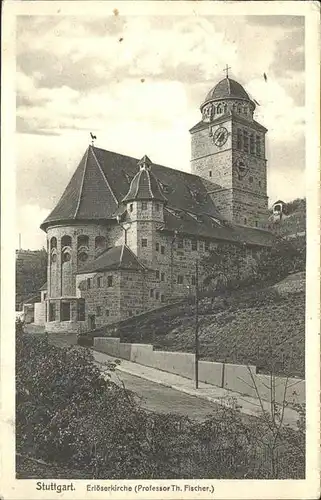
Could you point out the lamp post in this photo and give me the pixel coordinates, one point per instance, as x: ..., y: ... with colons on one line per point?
x: 196, y: 325
x: 172, y: 259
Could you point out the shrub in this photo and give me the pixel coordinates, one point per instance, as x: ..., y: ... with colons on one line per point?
x: 71, y: 414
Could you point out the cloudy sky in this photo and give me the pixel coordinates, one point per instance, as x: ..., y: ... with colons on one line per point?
x: 137, y: 82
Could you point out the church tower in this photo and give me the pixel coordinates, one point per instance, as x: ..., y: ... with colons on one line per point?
x: 228, y: 151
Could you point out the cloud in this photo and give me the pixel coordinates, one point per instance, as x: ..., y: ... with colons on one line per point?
x: 289, y: 57
x: 29, y: 217
x: 142, y: 95
x: 284, y: 21
x: 277, y: 110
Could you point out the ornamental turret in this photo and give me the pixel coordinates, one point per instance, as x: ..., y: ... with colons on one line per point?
x: 145, y: 210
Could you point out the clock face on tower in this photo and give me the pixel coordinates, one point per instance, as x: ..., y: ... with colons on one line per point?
x: 220, y: 136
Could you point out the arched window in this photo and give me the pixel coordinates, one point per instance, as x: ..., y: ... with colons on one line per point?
x: 82, y: 241
x: 53, y: 243
x: 225, y: 107
x: 100, y: 242
x: 219, y: 109
x: 66, y: 241
x: 239, y: 109
x: 53, y: 258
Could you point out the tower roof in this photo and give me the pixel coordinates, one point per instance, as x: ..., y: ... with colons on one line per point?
x: 144, y: 185
x: 227, y: 89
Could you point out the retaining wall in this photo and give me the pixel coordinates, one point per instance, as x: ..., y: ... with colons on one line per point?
x: 40, y: 313
x: 238, y: 378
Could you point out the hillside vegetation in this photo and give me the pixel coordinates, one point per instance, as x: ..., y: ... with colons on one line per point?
x: 31, y: 274
x: 244, y: 326
x: 293, y: 221
x: 73, y: 421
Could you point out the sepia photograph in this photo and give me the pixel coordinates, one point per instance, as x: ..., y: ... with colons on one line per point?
x: 161, y: 251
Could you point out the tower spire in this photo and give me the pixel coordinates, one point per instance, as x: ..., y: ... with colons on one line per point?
x: 227, y: 67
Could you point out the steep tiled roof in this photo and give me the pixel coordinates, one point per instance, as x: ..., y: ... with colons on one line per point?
x: 103, y: 178
x: 144, y: 185
x: 87, y: 196
x: 119, y: 257
x: 205, y: 226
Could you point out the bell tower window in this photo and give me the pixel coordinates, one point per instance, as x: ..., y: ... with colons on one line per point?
x: 239, y: 139
x: 252, y: 145
x: 258, y: 145
x: 246, y: 141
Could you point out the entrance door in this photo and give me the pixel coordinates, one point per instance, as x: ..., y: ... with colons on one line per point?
x: 92, y: 322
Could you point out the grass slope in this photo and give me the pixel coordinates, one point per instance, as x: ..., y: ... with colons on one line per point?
x: 238, y: 329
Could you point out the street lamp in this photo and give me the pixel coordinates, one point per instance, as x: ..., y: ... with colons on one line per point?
x: 196, y: 325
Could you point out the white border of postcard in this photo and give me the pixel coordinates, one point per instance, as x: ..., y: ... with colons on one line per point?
x: 11, y: 488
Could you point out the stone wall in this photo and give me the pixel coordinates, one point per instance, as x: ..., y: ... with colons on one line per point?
x: 101, y: 302
x: 243, y: 198
x: 28, y: 313
x: 40, y: 313
x: 237, y: 378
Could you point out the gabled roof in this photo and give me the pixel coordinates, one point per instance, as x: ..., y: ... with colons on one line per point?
x: 119, y: 257
x: 102, y: 179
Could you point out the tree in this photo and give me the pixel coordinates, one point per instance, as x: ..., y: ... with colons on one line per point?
x: 227, y: 266
x: 71, y: 414
x: 285, y: 256
x: 31, y: 274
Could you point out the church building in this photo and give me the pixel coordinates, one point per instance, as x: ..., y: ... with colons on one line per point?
x: 125, y: 235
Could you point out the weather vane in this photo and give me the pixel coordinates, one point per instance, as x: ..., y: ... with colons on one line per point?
x: 93, y: 138
x: 227, y: 67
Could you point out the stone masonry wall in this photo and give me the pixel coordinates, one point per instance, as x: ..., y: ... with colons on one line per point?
x: 101, y: 301
x: 62, y: 275
x: 243, y: 199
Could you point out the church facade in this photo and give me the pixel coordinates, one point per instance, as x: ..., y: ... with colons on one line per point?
x: 126, y: 235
